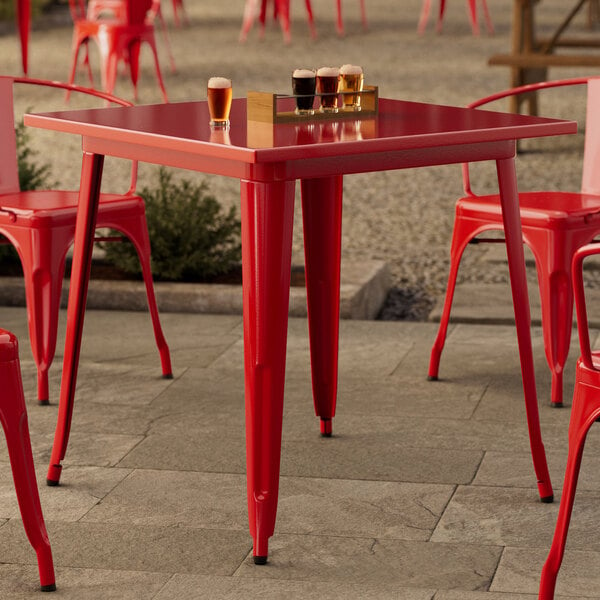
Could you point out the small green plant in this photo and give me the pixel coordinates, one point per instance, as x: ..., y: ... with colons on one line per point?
x: 192, y: 237
x: 8, y: 8
x: 32, y: 176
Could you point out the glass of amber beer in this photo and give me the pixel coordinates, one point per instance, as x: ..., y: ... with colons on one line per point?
x: 327, y: 87
x: 351, y: 80
x: 219, y: 101
x: 304, y: 83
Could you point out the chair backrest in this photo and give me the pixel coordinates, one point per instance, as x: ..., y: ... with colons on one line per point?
x: 590, y: 179
x: 9, y: 171
x: 580, y: 306
x: 137, y: 11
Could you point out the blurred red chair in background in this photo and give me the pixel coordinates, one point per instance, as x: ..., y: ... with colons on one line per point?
x: 584, y: 413
x: 117, y: 9
x: 41, y: 226
x: 281, y: 9
x: 554, y: 223
x: 13, y: 416
x: 340, y: 23
x: 472, y: 6
x: 117, y: 39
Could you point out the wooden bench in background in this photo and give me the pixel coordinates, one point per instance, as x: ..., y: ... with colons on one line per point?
x: 531, y: 57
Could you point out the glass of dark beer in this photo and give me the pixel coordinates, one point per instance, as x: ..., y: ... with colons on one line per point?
x: 327, y: 87
x: 219, y: 96
x: 304, y: 83
x: 351, y: 80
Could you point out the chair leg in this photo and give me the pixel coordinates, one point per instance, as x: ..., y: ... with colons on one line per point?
x: 425, y: 8
x: 487, y: 17
x: 441, y: 16
x: 553, y: 254
x: 585, y: 411
x: 472, y: 5
x: 161, y: 84
x: 136, y: 231
x: 340, y: 22
x: 13, y: 417
x: 311, y: 21
x: 464, y: 231
x: 165, y: 34
x: 42, y: 255
x: 250, y: 10
x: 363, y: 15
x: 283, y: 12
x: 133, y: 51
x: 75, y: 51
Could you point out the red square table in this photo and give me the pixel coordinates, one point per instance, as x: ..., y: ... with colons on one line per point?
x: 267, y: 159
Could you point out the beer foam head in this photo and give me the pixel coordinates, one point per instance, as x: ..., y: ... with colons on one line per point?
x: 301, y: 73
x: 350, y: 70
x: 219, y: 82
x: 328, y: 72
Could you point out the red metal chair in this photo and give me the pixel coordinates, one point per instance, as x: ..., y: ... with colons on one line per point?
x: 13, y: 416
x: 584, y: 413
x: 117, y: 9
x: 117, y: 39
x: 41, y: 226
x: 555, y: 224
x: 281, y: 9
x: 472, y: 6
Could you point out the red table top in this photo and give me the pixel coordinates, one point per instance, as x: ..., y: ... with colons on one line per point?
x: 178, y: 129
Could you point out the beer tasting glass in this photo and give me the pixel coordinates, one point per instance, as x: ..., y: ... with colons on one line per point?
x: 304, y: 83
x: 219, y: 101
x: 327, y: 87
x: 351, y: 80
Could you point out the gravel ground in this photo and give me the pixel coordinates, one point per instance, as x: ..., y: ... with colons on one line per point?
x: 404, y: 217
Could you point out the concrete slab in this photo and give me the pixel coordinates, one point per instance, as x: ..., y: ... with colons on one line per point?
x: 185, y: 587
x: 359, y: 560
x: 363, y: 288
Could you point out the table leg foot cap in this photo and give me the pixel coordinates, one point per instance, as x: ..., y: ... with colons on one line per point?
x: 168, y: 376
x: 260, y: 560
x: 432, y: 378
x: 51, y: 587
x: 547, y: 499
x: 44, y: 402
x: 326, y: 427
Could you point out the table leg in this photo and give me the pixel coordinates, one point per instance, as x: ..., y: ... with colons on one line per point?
x: 322, y: 217
x: 24, y: 17
x: 89, y: 193
x: 509, y: 198
x: 267, y: 211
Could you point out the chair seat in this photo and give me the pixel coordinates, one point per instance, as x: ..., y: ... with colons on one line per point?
x: 9, y: 347
x: 58, y: 207
x: 537, y: 208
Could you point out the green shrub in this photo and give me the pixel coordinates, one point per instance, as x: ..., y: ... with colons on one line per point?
x: 8, y: 8
x: 192, y: 238
x: 31, y: 175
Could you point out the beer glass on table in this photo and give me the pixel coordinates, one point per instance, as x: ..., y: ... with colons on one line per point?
x: 304, y: 83
x: 219, y: 96
x: 327, y: 87
x: 351, y: 80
